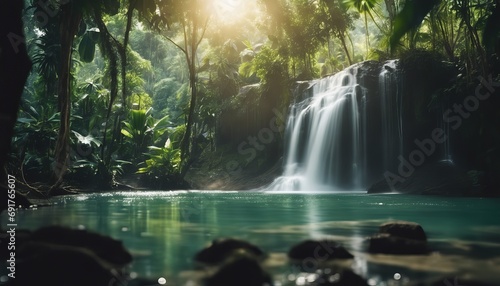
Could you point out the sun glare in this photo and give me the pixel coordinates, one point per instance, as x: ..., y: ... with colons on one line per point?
x: 229, y: 10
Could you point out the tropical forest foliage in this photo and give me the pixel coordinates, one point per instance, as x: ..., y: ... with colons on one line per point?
x: 129, y: 87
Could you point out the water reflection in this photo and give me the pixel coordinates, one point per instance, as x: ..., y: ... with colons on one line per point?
x: 164, y: 230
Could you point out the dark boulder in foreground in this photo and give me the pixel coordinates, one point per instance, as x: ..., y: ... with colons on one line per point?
x: 105, y: 247
x: 55, y: 265
x: 60, y: 256
x: 241, y: 271
x: 222, y: 249
x: 399, y: 237
x: 320, y: 250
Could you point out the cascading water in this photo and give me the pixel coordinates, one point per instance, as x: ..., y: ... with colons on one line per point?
x: 331, y: 134
x: 391, y: 105
x: 324, y: 147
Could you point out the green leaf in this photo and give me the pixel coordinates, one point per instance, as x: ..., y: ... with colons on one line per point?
x: 86, y: 49
x: 126, y: 133
x: 162, y: 124
x: 154, y: 148
x: 34, y: 111
x: 143, y: 170
x: 88, y: 140
x: 410, y: 17
x: 54, y: 118
x: 123, y: 162
x: 94, y: 34
x: 25, y: 120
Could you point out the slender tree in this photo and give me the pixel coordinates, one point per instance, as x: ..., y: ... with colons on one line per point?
x: 70, y: 17
x: 192, y: 18
x: 337, y: 22
x: 366, y: 8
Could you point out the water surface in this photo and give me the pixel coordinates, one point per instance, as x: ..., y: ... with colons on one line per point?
x: 165, y: 229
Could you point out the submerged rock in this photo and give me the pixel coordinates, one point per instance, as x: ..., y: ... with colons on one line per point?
x: 104, y: 247
x: 387, y: 244
x: 399, y: 237
x: 404, y: 229
x: 320, y: 250
x: 241, y: 271
x: 222, y: 249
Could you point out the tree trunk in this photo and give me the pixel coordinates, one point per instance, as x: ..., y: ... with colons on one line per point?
x: 15, y: 66
x: 70, y: 20
x: 109, y: 49
x: 190, y: 53
x: 186, y: 140
x: 123, y: 52
x: 346, y: 50
x: 391, y: 10
x: 367, y: 35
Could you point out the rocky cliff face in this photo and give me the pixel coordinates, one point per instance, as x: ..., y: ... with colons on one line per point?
x: 392, y: 130
x: 399, y: 129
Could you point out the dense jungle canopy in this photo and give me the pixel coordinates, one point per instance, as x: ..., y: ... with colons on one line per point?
x: 120, y: 87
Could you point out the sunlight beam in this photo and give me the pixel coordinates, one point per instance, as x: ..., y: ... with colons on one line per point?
x: 228, y: 10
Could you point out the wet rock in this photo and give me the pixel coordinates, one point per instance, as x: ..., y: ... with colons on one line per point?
x: 241, y: 271
x: 380, y: 187
x: 404, y: 229
x: 399, y: 237
x: 104, y: 247
x: 49, y: 264
x: 319, y: 250
x: 222, y: 249
x: 387, y: 244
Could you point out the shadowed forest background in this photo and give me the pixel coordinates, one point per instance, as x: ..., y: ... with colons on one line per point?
x: 169, y: 94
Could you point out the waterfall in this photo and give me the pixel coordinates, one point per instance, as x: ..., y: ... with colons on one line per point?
x: 325, y: 143
x: 347, y: 131
x: 391, y: 105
